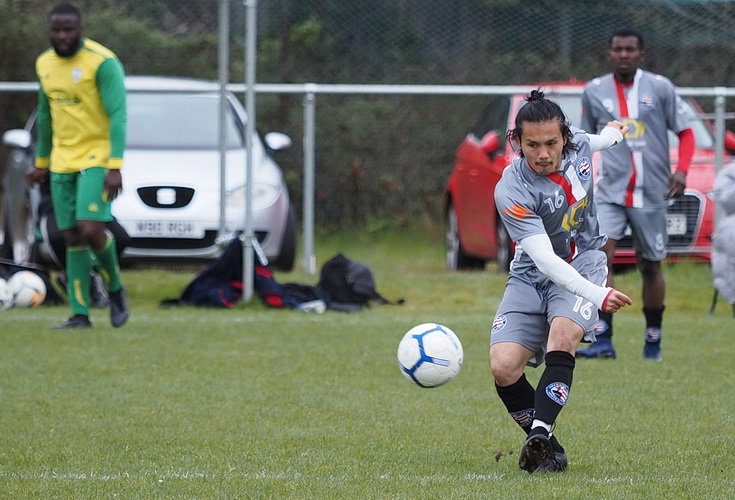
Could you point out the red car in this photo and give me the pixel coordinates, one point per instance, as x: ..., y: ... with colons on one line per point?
x: 474, y: 233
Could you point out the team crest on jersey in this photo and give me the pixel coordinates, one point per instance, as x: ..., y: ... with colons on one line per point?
x: 524, y: 418
x: 646, y: 102
x: 584, y: 168
x: 499, y: 323
x: 558, y: 393
x: 76, y: 74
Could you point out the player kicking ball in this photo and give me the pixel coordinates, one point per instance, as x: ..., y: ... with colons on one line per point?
x: 556, y: 284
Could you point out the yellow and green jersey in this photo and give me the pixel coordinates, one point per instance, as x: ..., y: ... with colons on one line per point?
x: 81, y: 114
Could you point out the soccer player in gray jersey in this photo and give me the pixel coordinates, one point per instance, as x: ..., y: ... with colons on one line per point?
x: 636, y: 180
x: 555, y: 288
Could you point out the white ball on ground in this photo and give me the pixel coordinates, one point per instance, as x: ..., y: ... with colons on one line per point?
x: 28, y: 289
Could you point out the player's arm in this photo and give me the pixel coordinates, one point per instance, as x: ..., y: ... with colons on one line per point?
x: 111, y: 85
x: 539, y: 248
x: 43, y: 141
x: 610, y: 136
x: 678, y: 181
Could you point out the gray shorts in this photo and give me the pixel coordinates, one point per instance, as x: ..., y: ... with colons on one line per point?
x: 648, y: 226
x: 531, y: 301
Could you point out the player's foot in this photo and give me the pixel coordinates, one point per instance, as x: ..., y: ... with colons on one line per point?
x: 602, y: 348
x: 536, y: 450
x: 76, y: 321
x: 119, y: 310
x: 652, y: 347
x: 97, y: 293
x: 557, y: 462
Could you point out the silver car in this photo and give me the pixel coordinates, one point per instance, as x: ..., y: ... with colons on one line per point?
x: 170, y: 205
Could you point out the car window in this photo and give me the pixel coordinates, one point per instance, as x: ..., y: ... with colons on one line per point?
x: 177, y: 121
x: 494, y: 117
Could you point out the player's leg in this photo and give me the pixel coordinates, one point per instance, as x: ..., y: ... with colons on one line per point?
x: 650, y: 237
x: 94, y: 212
x: 613, y: 223
x: 78, y: 258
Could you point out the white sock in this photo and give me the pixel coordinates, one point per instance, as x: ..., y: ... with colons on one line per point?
x: 541, y: 423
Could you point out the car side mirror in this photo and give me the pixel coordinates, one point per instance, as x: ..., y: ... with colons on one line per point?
x: 730, y: 141
x: 490, y: 144
x: 17, y: 138
x: 277, y: 141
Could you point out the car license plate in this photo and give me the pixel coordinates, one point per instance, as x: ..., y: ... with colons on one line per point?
x: 676, y: 224
x: 165, y: 229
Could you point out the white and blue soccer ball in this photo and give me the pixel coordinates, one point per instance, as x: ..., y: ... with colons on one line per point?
x: 430, y: 355
x: 28, y: 289
x: 6, y: 296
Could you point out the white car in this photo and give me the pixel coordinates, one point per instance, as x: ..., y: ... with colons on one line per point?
x: 170, y: 204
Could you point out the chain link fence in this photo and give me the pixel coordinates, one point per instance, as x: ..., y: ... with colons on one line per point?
x: 382, y: 159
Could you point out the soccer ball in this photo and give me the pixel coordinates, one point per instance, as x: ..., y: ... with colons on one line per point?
x: 430, y: 355
x: 28, y: 289
x: 6, y: 296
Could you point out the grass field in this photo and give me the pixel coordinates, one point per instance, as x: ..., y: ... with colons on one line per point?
x: 263, y: 403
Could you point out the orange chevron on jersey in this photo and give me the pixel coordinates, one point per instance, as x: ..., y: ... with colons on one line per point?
x: 517, y: 211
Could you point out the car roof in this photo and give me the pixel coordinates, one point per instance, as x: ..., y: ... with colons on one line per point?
x: 165, y: 83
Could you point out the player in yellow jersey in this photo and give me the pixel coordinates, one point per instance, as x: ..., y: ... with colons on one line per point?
x: 81, y: 139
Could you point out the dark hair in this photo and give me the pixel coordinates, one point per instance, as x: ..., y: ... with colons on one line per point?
x: 539, y: 109
x: 65, y: 8
x: 624, y: 33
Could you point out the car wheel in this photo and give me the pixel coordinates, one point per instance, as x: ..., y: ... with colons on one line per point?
x: 505, y: 247
x: 456, y: 258
x: 287, y: 255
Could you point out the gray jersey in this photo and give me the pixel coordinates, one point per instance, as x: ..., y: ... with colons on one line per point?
x: 635, y: 173
x: 560, y: 205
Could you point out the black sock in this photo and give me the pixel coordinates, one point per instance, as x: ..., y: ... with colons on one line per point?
x: 607, y: 318
x: 654, y: 316
x: 553, y: 388
x: 518, y: 399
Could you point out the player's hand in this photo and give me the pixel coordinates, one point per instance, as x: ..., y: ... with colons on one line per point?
x: 618, y: 125
x: 35, y: 176
x: 615, y: 300
x: 113, y: 185
x: 677, y: 184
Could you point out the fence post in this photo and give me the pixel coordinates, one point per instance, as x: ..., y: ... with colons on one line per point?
x: 309, y: 262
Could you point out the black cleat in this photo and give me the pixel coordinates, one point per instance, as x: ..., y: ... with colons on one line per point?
x: 557, y: 462
x: 119, y: 310
x: 536, y: 451
x: 76, y: 321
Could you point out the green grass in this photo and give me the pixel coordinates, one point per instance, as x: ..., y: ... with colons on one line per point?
x: 262, y: 403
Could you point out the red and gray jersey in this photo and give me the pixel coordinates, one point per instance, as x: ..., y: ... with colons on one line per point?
x: 635, y: 173
x: 560, y: 204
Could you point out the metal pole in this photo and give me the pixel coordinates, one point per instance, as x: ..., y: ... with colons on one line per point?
x: 247, y: 248
x: 309, y: 263
x: 224, y: 57
x: 719, y: 140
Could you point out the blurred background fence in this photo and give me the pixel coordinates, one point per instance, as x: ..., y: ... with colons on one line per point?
x: 382, y: 159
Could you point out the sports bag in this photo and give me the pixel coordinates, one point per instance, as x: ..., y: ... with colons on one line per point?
x: 348, y: 285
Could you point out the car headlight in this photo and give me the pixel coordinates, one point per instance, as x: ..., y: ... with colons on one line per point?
x: 264, y: 195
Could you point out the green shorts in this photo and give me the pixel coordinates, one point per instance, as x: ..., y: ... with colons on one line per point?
x: 78, y: 196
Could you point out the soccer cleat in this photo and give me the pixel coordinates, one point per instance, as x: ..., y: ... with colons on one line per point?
x: 76, y: 321
x: 98, y: 294
x: 536, y: 451
x: 557, y: 462
x: 602, y: 348
x: 652, y: 347
x: 119, y: 310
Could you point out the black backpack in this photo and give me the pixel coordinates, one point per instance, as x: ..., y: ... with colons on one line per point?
x: 348, y: 285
